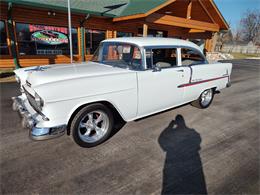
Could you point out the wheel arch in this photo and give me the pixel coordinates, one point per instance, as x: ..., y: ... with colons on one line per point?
x: 106, y: 103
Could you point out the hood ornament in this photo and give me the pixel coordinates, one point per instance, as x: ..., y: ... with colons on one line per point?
x: 38, y: 68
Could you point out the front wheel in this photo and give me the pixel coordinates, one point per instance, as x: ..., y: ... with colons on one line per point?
x: 204, y: 100
x: 92, y: 125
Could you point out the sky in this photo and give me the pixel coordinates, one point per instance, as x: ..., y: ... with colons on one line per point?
x: 233, y: 10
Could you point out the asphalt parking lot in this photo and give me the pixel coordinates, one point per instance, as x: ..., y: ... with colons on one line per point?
x: 181, y: 151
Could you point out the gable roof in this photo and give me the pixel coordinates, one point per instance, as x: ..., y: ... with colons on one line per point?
x: 117, y: 9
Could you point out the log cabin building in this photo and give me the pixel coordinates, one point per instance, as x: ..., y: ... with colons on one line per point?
x: 35, y: 32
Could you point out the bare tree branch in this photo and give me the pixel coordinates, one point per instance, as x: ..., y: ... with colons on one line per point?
x: 250, y: 26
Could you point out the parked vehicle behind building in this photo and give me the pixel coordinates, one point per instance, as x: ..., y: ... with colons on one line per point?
x: 131, y: 77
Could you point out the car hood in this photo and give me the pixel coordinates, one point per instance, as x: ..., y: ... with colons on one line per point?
x: 40, y: 75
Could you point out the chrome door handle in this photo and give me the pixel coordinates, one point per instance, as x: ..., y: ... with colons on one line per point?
x: 180, y: 70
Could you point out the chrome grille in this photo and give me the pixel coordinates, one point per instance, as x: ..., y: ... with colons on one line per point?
x: 27, y: 83
x: 32, y: 101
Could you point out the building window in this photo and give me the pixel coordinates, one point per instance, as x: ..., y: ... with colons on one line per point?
x: 3, y: 40
x: 93, y: 38
x: 123, y: 34
x: 45, y: 40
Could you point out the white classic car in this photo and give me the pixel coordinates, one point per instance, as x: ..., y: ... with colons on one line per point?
x: 132, y: 77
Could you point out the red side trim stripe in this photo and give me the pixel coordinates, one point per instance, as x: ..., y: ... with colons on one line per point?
x: 199, y: 82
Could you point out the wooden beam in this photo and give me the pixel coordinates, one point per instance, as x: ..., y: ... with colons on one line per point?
x: 196, y: 30
x: 205, y: 35
x: 145, y: 30
x: 189, y: 10
x: 219, y: 14
x: 181, y: 22
x: 129, y: 17
x: 204, y: 8
x: 114, y: 34
x: 144, y: 14
x: 160, y: 7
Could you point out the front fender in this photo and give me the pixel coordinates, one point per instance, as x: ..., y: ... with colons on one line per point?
x: 126, y: 113
x: 62, y: 98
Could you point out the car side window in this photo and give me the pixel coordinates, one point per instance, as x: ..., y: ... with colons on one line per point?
x: 163, y: 58
x: 191, y: 57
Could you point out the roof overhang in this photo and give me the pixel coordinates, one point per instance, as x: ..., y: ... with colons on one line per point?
x: 60, y: 7
x: 142, y: 15
x: 208, y: 5
x: 216, y: 16
x: 182, y: 22
x: 225, y: 24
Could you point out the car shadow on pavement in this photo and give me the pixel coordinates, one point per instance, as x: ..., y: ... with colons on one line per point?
x: 183, y: 172
x: 119, y: 123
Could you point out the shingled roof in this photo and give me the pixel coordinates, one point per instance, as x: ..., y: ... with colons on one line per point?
x: 109, y: 8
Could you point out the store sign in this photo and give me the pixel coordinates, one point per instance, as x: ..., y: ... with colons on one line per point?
x: 49, y: 35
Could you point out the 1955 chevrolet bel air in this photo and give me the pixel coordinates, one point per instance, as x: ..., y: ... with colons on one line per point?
x: 130, y: 77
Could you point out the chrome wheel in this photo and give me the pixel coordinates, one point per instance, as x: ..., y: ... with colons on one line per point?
x: 206, y: 97
x: 93, y: 126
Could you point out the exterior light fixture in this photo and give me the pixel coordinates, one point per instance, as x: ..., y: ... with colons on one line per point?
x: 87, y: 16
x: 51, y: 13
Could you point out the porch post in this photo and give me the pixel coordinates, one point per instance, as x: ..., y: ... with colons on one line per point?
x: 82, y: 38
x: 11, y: 34
x: 189, y: 10
x: 70, y: 35
x: 145, y: 30
x: 208, y: 45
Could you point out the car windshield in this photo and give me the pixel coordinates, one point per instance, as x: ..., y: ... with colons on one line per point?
x: 123, y: 55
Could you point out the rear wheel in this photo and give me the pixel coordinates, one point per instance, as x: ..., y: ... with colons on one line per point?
x: 92, y: 125
x: 204, y: 100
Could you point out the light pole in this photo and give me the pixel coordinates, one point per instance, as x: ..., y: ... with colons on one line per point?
x: 70, y: 36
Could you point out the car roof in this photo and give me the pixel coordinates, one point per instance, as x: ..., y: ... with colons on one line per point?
x: 154, y: 41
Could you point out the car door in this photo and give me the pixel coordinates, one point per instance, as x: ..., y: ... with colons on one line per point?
x: 158, y: 86
x: 194, y: 59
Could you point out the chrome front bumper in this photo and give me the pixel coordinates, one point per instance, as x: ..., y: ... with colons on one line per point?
x: 29, y: 121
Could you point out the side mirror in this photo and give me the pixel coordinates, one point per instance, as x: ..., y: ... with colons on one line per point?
x: 157, y: 69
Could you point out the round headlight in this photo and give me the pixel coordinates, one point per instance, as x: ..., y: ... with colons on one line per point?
x: 38, y: 100
x: 18, y: 79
